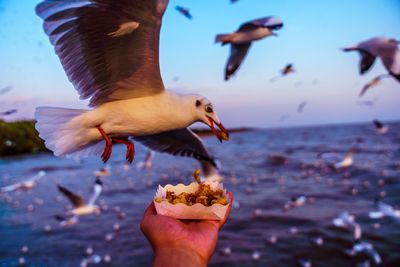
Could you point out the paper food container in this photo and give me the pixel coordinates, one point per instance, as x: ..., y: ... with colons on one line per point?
x: 195, y: 212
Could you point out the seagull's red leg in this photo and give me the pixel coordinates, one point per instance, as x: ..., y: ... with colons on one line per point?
x: 108, y: 148
x: 130, y: 148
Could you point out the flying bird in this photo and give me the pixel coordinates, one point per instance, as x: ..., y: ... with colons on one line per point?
x: 241, y: 40
x: 285, y: 71
x: 184, y: 11
x: 24, y: 185
x: 385, y: 210
x: 288, y: 69
x: 5, y: 89
x: 386, y: 49
x: 122, y: 80
x: 374, y: 82
x: 346, y: 162
x: 301, y: 106
x: 347, y: 220
x: 8, y: 112
x: 80, y: 207
x: 380, y: 127
x: 362, y: 247
x: 147, y: 163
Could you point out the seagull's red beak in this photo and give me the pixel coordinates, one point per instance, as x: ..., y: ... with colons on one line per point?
x: 222, y: 133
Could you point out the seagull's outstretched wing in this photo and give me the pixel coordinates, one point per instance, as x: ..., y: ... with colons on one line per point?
x: 97, y: 188
x: 182, y: 142
x: 378, y: 124
x: 108, y: 48
x: 238, y: 53
x: 10, y: 188
x: 76, y: 200
x: 367, y: 60
x: 273, y: 23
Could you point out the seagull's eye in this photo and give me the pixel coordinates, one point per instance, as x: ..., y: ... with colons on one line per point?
x: 209, y: 109
x: 198, y: 103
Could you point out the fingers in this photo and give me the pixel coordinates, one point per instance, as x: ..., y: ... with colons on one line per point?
x: 228, y: 212
x: 150, y: 211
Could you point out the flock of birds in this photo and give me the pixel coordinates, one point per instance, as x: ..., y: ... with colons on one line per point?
x: 129, y: 103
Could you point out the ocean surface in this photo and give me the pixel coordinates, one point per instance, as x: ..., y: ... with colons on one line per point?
x: 259, y: 232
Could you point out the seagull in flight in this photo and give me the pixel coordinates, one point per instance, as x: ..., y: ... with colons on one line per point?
x: 301, y: 106
x: 366, y: 248
x: 346, y: 162
x: 385, y: 210
x: 347, y: 220
x: 387, y: 49
x: 24, y: 185
x: 380, y: 127
x: 147, y: 162
x: 80, y: 207
x: 241, y: 40
x: 184, y: 11
x: 374, y: 82
x: 285, y: 71
x: 122, y: 80
x: 5, y: 89
x: 8, y: 112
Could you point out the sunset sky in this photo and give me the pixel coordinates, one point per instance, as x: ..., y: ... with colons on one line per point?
x: 313, y: 33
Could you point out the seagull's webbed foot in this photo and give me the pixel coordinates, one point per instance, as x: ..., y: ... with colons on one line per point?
x: 130, y: 149
x: 108, y: 148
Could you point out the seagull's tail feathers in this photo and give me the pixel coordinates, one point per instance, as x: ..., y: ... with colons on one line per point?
x: 63, y: 132
x: 224, y: 38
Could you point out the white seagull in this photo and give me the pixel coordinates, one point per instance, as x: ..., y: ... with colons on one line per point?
x: 80, y: 207
x: 385, y: 210
x: 147, y: 162
x: 346, y: 162
x: 347, y: 220
x: 386, y: 49
x: 24, y: 185
x: 362, y: 247
x: 241, y: 40
x: 110, y: 52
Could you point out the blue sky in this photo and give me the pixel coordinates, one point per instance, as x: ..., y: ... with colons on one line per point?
x: 314, y: 32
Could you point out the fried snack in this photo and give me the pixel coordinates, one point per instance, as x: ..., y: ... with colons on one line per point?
x: 196, y: 201
x: 204, y: 195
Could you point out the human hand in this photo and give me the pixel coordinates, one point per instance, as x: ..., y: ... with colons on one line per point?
x: 181, y: 242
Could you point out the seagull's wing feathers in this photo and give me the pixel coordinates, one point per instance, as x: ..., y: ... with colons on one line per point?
x: 109, y: 49
x: 182, y: 142
x: 238, y: 53
x: 367, y: 60
x: 378, y: 124
x: 76, y: 200
x: 274, y: 23
x: 10, y: 188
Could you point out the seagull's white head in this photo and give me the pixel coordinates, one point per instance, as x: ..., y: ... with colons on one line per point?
x: 205, y: 112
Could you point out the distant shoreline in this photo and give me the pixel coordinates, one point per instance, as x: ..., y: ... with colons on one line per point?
x: 21, y: 137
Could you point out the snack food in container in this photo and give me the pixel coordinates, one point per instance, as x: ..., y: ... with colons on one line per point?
x: 213, y: 207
